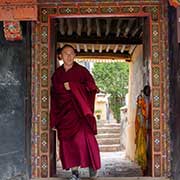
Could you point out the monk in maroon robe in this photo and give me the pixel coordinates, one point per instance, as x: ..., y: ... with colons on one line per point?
x: 72, y: 109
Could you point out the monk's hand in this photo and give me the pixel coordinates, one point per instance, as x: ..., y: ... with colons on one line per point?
x: 66, y: 85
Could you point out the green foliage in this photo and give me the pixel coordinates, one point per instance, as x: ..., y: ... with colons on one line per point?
x: 113, y: 79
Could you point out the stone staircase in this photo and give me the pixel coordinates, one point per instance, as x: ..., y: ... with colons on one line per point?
x: 108, y: 137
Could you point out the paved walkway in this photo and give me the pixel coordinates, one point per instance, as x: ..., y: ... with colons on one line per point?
x: 114, y: 164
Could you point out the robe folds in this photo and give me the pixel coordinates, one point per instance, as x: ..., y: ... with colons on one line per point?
x: 72, y: 114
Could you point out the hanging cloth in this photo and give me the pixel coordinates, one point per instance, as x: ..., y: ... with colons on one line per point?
x: 12, y: 30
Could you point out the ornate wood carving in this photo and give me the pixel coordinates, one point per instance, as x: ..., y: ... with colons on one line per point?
x: 11, y: 10
x: 41, y: 72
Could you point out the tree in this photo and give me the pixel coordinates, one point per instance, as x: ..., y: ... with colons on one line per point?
x: 113, y: 79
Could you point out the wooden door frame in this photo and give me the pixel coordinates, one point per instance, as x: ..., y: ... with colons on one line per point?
x: 51, y: 48
x: 41, y: 65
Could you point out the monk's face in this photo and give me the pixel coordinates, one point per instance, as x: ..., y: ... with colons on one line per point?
x: 68, y: 55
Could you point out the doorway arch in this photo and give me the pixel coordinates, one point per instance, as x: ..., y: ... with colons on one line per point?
x: 41, y: 71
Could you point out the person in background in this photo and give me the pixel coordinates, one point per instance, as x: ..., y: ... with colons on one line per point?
x: 143, y: 131
x: 72, y: 114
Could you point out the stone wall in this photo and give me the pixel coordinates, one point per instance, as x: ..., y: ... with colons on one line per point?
x: 14, y: 105
x: 135, y: 87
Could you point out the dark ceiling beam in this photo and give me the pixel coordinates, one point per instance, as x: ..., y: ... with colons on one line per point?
x: 98, y: 40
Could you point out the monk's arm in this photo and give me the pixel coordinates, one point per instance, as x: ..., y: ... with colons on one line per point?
x: 90, y: 83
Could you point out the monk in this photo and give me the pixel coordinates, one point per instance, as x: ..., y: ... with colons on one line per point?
x: 72, y: 114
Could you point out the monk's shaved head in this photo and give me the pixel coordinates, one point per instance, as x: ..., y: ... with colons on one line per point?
x: 66, y: 46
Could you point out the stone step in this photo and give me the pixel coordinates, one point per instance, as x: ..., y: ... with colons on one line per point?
x: 108, y: 135
x: 108, y: 141
x: 108, y: 125
x: 110, y: 148
x: 108, y: 130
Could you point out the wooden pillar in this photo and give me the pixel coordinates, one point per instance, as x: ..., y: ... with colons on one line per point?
x: 178, y: 24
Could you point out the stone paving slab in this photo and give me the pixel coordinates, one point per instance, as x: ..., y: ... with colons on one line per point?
x: 113, y: 164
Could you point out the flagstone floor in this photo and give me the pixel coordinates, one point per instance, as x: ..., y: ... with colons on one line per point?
x: 114, y: 164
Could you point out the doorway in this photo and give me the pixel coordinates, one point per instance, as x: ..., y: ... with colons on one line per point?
x: 41, y: 58
x: 114, y: 39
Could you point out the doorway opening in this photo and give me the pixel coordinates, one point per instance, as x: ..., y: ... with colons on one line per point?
x: 109, y: 39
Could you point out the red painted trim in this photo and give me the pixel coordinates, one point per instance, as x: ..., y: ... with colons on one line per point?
x: 99, y: 15
x: 141, y: 14
x: 49, y: 85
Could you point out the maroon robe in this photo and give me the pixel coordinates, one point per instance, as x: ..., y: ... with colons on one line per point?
x: 72, y: 115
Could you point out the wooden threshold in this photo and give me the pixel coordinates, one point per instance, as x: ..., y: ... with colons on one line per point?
x: 111, y: 178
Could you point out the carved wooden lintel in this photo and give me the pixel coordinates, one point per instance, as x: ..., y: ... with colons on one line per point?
x: 104, y: 56
x: 18, y: 10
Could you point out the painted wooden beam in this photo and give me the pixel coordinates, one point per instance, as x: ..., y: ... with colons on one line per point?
x: 103, y: 55
x: 89, y: 29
